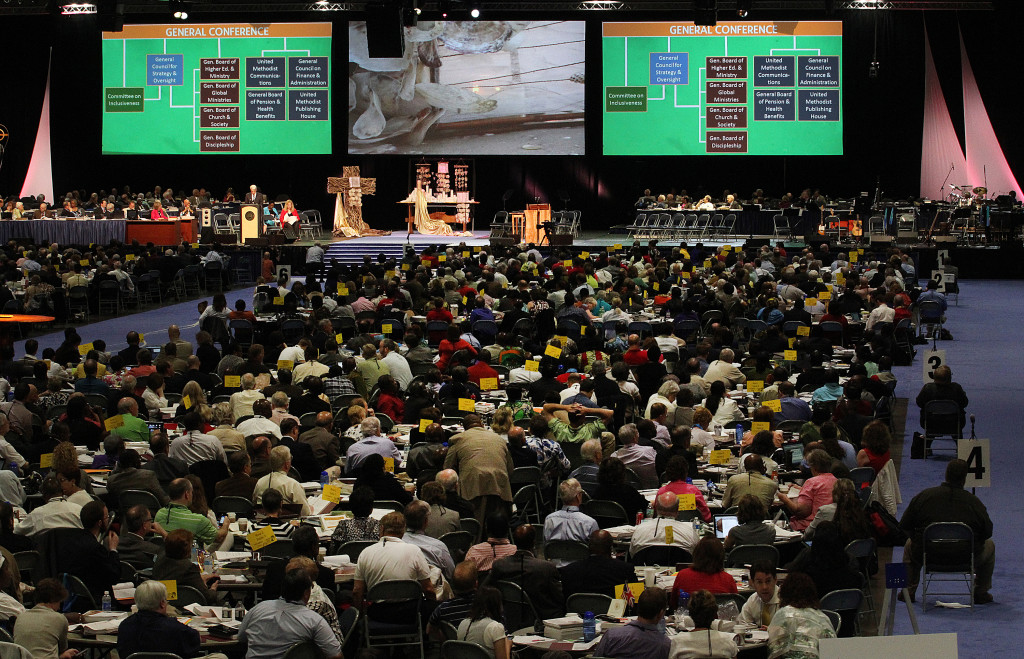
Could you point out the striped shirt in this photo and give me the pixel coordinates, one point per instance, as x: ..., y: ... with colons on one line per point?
x: 485, y: 553
x: 282, y: 528
x: 176, y: 516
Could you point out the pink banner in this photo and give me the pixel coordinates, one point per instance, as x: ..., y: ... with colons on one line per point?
x: 941, y: 155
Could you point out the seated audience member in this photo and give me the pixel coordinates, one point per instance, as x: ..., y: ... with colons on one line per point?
x: 751, y: 481
x: 815, y: 492
x: 569, y: 523
x: 166, y: 468
x: 641, y: 638
x: 586, y: 474
x: 495, y: 546
x: 652, y: 533
x: 942, y: 387
x: 846, y: 510
x: 305, y: 542
x: 129, y: 475
x: 56, y: 513
x: 435, y: 551
x: 383, y: 483
x: 133, y: 547
x: 151, y: 629
x: 271, y: 627
x: 177, y: 515
x: 707, y: 571
x: 703, y: 641
x: 175, y: 564
x: 90, y: 552
x: 278, y: 478
x: 826, y: 561
x: 318, y: 601
x: 326, y: 446
x: 194, y: 445
x: 272, y: 503
x: 538, y: 578
x: 676, y: 472
x: 762, y: 605
x: 391, y: 558
x: 612, y: 486
x: 360, y: 526
x: 751, y: 529
x: 453, y: 611
x: 484, y: 625
x: 442, y: 519
x: 240, y: 483
x: 449, y: 479
x: 950, y: 502
x: 43, y: 630
x: 799, y: 623
x: 372, y: 443
x: 10, y: 540
x: 597, y: 573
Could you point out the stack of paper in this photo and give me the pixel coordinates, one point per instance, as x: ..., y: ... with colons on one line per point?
x: 230, y: 556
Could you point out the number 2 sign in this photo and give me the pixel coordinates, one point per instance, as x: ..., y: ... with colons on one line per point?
x: 932, y: 360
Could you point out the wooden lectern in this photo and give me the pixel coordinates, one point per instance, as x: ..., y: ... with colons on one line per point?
x: 536, y: 215
x: 252, y: 223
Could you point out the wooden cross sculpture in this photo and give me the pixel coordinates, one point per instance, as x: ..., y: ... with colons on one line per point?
x: 348, y: 211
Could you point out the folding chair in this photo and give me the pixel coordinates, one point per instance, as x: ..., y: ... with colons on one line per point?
x: 458, y: 543
x: 519, y: 609
x: 846, y: 603
x: 455, y: 649
x: 941, y: 421
x: 746, y: 555
x: 304, y: 650
x: 580, y: 603
x: 394, y: 633
x: 606, y: 513
x: 352, y: 548
x: 948, y: 549
x: 662, y: 555
x: 863, y: 551
x: 566, y: 550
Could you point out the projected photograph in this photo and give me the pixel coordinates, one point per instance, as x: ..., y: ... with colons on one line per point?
x: 734, y: 88
x: 470, y: 87
x: 228, y: 88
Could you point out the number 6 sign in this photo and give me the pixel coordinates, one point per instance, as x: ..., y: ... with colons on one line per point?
x: 975, y: 452
x: 932, y: 360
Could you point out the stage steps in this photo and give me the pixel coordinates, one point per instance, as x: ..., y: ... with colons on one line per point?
x: 351, y: 252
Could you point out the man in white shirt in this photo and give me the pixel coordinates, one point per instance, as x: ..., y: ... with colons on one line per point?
x: 56, y: 513
x: 241, y: 401
x: 762, y: 605
x: 397, y: 363
x: 391, y: 558
x: 652, y: 532
x: 195, y: 446
x: 296, y: 354
x: 279, y: 412
x: 723, y: 369
x: 372, y: 442
x: 310, y: 367
x: 261, y: 422
x: 882, y: 313
x: 278, y: 478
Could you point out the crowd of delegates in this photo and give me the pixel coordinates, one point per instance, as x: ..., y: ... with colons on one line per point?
x: 682, y: 200
x: 602, y: 405
x: 116, y: 203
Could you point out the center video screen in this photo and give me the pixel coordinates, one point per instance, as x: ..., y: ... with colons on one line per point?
x: 470, y: 88
x: 734, y: 88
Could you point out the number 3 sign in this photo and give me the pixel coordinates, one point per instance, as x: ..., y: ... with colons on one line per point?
x: 932, y: 360
x: 975, y: 452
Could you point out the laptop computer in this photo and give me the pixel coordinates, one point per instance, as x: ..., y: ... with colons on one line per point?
x: 794, y: 455
x: 723, y: 524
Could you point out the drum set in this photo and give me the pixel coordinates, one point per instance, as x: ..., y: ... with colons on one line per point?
x: 967, y: 196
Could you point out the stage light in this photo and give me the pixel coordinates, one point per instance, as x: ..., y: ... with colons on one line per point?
x: 743, y: 7
x: 77, y: 8
x: 179, y: 9
x: 474, y: 12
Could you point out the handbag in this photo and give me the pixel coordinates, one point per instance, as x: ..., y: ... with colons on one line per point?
x: 885, y: 527
x: 917, y: 447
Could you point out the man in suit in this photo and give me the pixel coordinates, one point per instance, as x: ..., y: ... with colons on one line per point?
x: 166, y: 467
x: 129, y: 353
x: 133, y: 546
x: 482, y: 460
x: 449, y: 479
x: 253, y: 196
x: 326, y: 446
x: 129, y: 475
x: 240, y: 483
x: 538, y: 578
x: 83, y: 554
x: 599, y: 572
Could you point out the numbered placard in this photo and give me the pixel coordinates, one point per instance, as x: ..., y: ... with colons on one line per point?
x: 260, y: 539
x: 932, y: 360
x: 976, y: 453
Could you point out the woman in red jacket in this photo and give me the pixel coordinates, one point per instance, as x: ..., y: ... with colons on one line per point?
x: 451, y: 345
x: 158, y: 212
x: 289, y: 215
x: 706, y: 573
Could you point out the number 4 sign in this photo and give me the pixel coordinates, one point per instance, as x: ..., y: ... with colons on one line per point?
x: 975, y: 452
x: 932, y: 360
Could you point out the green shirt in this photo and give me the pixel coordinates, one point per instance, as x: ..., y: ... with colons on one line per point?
x: 563, y: 432
x: 133, y: 430
x: 176, y: 516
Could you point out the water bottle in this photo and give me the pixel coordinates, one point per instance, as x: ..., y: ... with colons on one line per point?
x: 14, y: 468
x: 239, y: 612
x: 106, y: 601
x: 739, y: 434
x: 589, y: 626
x: 195, y: 553
x: 324, y: 478
x: 696, y: 526
x: 208, y: 562
x: 650, y: 511
x: 683, y: 620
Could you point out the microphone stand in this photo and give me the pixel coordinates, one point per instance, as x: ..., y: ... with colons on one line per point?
x: 942, y: 187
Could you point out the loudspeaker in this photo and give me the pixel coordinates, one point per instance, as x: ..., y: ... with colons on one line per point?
x: 880, y: 240
x: 205, y: 217
x: 385, y: 34
x: 252, y: 223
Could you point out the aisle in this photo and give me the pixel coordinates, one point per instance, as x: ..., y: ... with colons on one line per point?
x: 984, y: 357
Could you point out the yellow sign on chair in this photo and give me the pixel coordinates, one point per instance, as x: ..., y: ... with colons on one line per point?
x: 424, y: 424
x: 285, y: 364
x: 114, y: 422
x: 467, y: 405
x: 172, y: 588
x: 759, y: 426
x: 488, y: 384
x: 553, y: 351
x: 46, y: 460
x: 331, y: 493
x: 260, y: 539
x: 532, y: 365
x: 342, y: 289
x: 688, y: 501
x: 386, y: 328
x: 389, y: 465
x: 755, y: 386
x: 232, y: 381
x: 803, y: 330
x: 789, y: 355
x: 775, y: 405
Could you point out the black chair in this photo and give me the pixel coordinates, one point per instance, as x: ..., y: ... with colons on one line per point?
x: 210, y: 472
x: 470, y: 526
x: 458, y: 543
x: 241, y: 506
x: 281, y: 549
x: 29, y: 563
x: 846, y: 603
x: 662, y: 555
x: 305, y: 650
x: 353, y: 548
x: 580, y: 603
x: 566, y: 550
x: 131, y: 498
x: 948, y: 550
x: 519, y: 609
x: 395, y: 633
x: 746, y: 555
x: 941, y: 421
x: 463, y: 649
x: 606, y: 513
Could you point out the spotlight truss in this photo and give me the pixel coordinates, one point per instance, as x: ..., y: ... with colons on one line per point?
x: 77, y: 9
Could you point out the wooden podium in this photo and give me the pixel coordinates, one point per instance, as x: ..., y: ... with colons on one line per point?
x: 536, y: 214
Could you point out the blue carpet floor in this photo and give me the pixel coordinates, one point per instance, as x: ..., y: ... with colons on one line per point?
x: 985, y: 360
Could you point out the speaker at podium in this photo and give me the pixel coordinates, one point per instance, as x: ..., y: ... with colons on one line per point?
x: 252, y: 224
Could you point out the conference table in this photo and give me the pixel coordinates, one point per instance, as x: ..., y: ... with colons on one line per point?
x: 68, y: 231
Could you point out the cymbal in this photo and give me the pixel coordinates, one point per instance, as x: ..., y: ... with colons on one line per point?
x: 980, y: 190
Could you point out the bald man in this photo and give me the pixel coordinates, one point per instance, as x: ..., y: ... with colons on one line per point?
x: 325, y: 444
x: 651, y: 532
x: 183, y: 348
